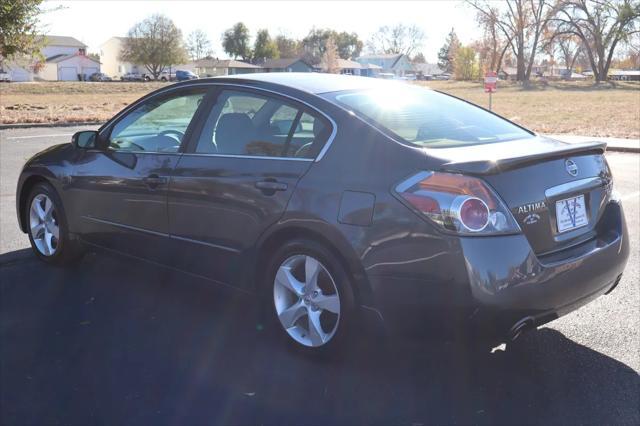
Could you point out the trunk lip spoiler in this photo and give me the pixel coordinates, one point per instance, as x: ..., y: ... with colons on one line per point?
x: 488, y: 167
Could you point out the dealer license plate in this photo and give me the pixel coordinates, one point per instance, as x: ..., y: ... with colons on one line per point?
x: 571, y: 213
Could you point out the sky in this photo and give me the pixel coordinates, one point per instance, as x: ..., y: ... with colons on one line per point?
x: 94, y: 22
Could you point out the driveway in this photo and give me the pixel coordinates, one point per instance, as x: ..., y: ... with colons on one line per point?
x: 113, y: 341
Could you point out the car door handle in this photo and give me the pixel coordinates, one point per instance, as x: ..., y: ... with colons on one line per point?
x: 153, y: 181
x: 271, y: 186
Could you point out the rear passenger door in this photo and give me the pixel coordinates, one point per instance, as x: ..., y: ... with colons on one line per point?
x: 237, y: 175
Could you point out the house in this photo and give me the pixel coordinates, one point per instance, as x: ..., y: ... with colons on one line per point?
x: 287, y: 65
x: 71, y: 67
x: 369, y: 70
x: 396, y: 63
x: 65, y: 59
x: 624, y: 75
x: 110, y: 58
x: 427, y: 71
x: 343, y: 66
x: 211, y: 67
x: 508, y: 73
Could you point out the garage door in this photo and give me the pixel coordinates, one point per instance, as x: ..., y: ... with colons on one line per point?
x: 67, y: 74
x: 87, y: 71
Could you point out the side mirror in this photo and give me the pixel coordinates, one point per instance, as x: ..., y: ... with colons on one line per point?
x: 86, y: 139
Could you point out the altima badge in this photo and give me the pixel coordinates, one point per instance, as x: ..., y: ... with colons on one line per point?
x: 571, y: 167
x: 532, y: 207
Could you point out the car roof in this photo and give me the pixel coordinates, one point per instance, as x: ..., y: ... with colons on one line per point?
x: 310, y: 82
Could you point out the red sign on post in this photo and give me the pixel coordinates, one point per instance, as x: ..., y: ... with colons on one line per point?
x: 490, y: 82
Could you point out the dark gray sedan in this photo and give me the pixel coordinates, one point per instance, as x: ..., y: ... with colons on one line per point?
x: 338, y: 200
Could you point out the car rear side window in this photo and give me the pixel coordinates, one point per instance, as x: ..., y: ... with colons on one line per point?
x: 251, y: 124
x: 157, y: 125
x: 427, y: 118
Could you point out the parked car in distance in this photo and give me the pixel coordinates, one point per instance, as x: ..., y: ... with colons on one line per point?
x: 167, y: 76
x: 178, y: 75
x: 135, y: 76
x: 99, y: 76
x: 5, y: 77
x: 182, y: 75
x: 338, y: 200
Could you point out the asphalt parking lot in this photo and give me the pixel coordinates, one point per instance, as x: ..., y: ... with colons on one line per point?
x: 113, y: 341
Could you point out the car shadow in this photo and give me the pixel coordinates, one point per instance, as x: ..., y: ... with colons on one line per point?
x: 120, y: 342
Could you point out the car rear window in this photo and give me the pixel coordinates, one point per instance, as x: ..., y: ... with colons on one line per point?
x: 426, y: 118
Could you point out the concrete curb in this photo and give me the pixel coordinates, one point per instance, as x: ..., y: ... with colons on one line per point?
x: 623, y: 149
x: 60, y: 124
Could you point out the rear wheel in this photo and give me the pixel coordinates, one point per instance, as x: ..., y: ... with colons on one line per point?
x: 47, y: 227
x: 311, y: 297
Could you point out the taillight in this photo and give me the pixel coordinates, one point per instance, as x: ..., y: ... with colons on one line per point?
x: 458, y: 203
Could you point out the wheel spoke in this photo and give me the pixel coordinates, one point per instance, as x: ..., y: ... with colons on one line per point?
x: 285, y: 278
x: 37, y: 230
x: 55, y: 231
x: 289, y: 316
x: 316, y: 334
x: 329, y: 303
x: 311, y: 271
x: 47, y: 208
x: 48, y: 247
x: 39, y: 211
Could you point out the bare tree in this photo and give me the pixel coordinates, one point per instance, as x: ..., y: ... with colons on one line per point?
x: 155, y: 43
x: 494, y: 42
x: 397, y: 39
x: 522, y: 22
x: 601, y: 25
x: 198, y: 45
x: 569, y: 47
x: 330, y: 56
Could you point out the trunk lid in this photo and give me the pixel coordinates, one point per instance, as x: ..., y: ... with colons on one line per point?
x: 543, y: 182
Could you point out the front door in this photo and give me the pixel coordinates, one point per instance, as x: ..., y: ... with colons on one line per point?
x: 236, y: 178
x: 119, y: 192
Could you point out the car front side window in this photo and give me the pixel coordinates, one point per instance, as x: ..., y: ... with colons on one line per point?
x: 158, y: 125
x: 250, y: 124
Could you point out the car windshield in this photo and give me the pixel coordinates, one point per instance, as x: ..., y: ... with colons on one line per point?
x: 426, y: 118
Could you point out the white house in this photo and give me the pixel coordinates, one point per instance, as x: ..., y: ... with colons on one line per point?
x: 398, y: 64
x: 65, y: 59
x: 110, y: 59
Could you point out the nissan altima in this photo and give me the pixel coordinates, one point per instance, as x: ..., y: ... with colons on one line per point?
x: 338, y: 200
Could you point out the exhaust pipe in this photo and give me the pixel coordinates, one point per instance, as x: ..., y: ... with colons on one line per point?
x: 519, y: 327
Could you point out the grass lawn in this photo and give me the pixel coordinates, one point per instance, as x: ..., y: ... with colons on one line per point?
x: 558, y: 107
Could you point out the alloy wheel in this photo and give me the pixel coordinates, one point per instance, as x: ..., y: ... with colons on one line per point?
x: 306, y: 300
x: 43, y: 225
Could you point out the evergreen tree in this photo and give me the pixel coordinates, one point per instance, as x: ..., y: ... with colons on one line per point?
x: 447, y: 53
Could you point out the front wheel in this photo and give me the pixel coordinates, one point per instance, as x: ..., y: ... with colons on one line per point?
x: 311, y: 297
x: 47, y: 227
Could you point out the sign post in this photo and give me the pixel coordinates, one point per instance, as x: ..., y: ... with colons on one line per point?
x: 490, y: 85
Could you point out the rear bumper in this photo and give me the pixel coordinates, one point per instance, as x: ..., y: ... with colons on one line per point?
x: 499, y: 281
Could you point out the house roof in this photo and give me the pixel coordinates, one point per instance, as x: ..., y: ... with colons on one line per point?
x: 382, y: 56
x: 224, y: 63
x: 428, y: 69
x: 388, y: 60
x: 283, y: 62
x: 344, y: 64
x: 370, y: 67
x: 624, y: 72
x: 53, y: 40
x: 62, y: 57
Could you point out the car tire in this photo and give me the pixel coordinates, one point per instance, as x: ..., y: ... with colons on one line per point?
x: 164, y: 79
x: 43, y: 225
x: 320, y: 303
